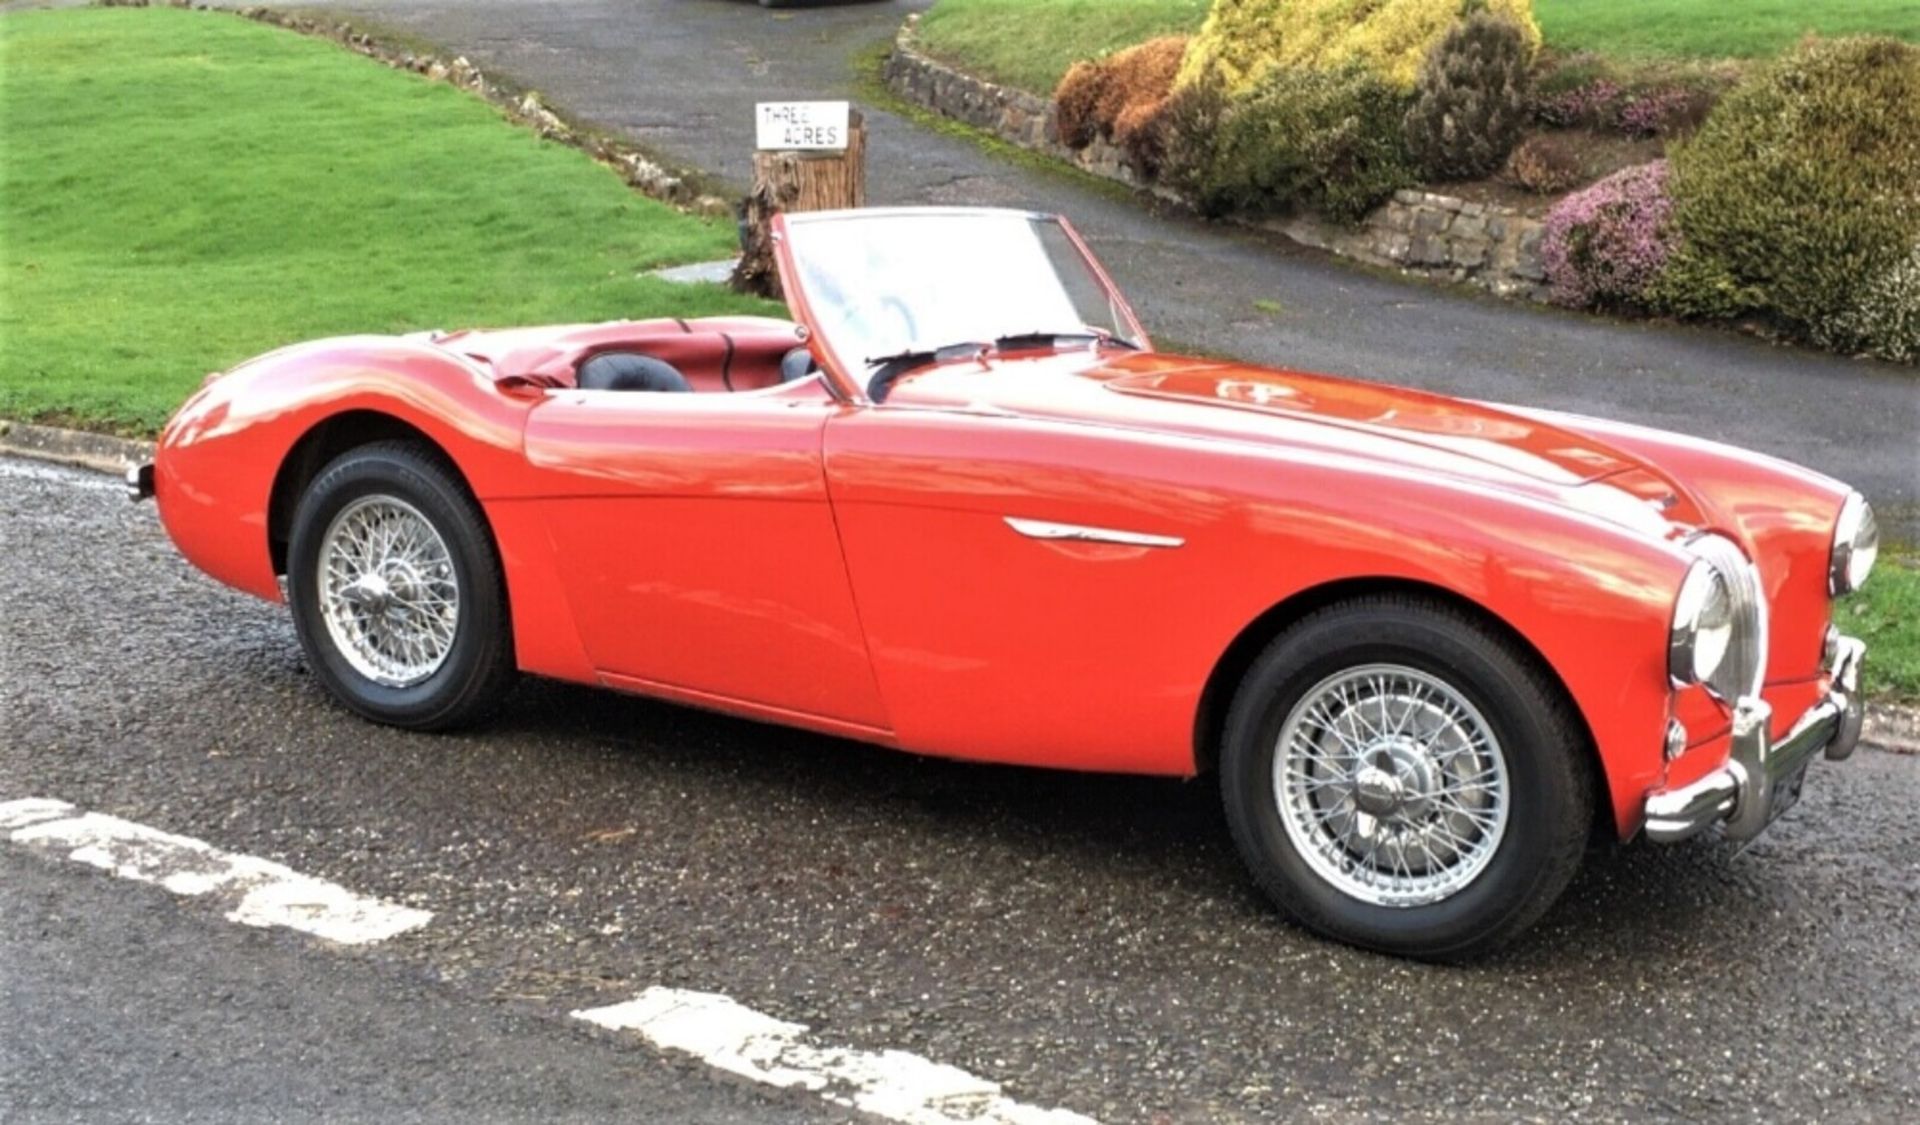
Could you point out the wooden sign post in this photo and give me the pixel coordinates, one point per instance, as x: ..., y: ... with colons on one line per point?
x: 812, y: 156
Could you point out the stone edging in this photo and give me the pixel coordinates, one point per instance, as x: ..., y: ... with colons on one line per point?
x: 679, y: 188
x: 99, y: 452
x: 1417, y: 232
x: 1892, y: 726
x: 1013, y: 115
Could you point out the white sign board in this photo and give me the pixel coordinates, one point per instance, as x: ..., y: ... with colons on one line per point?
x: 783, y: 126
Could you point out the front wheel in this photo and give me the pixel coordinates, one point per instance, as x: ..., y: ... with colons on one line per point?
x: 396, y: 589
x: 1398, y: 776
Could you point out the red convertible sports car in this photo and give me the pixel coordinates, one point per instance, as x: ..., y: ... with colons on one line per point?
x: 960, y: 506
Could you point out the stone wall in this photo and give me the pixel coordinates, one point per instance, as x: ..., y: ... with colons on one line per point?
x: 1015, y: 116
x: 1437, y: 236
x: 1417, y: 232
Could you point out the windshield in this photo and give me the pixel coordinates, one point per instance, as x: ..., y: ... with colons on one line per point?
x: 882, y: 284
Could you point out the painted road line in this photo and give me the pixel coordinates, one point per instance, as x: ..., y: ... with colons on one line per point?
x: 262, y: 893
x: 892, y: 1084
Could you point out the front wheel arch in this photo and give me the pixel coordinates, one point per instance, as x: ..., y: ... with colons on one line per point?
x: 324, y: 441
x: 1216, y: 699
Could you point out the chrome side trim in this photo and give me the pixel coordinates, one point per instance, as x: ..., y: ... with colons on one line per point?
x: 1045, y: 529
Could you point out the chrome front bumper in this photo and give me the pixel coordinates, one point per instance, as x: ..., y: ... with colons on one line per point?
x: 140, y: 482
x: 1761, y: 777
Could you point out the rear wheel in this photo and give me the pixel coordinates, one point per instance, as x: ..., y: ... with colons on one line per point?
x: 396, y: 589
x: 1399, y: 777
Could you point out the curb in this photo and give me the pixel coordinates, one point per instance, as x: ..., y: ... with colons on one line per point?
x: 1893, y: 726
x: 99, y: 452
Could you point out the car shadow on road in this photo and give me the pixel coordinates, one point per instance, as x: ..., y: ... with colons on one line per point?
x: 1653, y: 902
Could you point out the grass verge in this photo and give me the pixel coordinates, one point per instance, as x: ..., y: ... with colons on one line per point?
x: 870, y: 87
x: 1708, y: 29
x: 182, y: 190
x: 1030, y: 43
x: 1886, y: 615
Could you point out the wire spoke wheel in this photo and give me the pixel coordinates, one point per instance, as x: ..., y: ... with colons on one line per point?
x: 1391, y: 785
x: 387, y: 590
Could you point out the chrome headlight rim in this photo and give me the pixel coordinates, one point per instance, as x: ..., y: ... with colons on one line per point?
x: 1856, y: 546
x: 1701, y: 635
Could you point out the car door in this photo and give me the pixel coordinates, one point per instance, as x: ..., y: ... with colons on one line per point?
x: 699, y: 552
x: 1032, y: 591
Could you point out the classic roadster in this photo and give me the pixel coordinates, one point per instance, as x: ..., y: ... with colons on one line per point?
x: 960, y: 506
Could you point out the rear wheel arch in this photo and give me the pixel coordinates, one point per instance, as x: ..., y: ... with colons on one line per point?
x: 1216, y: 699
x: 323, y: 442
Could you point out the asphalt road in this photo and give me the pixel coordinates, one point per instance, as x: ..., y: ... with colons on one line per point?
x: 124, y: 1005
x: 682, y: 76
x: 1090, y: 942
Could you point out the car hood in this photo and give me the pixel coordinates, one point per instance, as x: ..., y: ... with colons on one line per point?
x: 1420, y: 430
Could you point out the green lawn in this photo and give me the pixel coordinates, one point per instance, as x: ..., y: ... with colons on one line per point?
x: 180, y: 190
x: 1886, y: 615
x: 1030, y: 43
x: 1710, y: 29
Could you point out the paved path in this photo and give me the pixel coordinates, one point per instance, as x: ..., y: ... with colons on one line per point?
x: 1091, y: 942
x: 682, y: 75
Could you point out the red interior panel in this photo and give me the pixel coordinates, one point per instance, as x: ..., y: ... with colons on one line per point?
x: 716, y: 354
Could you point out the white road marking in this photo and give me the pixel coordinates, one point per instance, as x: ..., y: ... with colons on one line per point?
x: 263, y: 893
x: 59, y: 474
x: 892, y: 1084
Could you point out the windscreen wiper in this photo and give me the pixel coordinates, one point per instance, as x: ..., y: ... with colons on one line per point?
x: 891, y: 367
x: 1053, y: 339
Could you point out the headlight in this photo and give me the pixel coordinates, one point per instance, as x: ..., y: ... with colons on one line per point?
x: 1856, y: 543
x: 1702, y: 626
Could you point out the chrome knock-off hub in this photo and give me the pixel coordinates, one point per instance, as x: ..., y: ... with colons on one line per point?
x: 1391, y: 784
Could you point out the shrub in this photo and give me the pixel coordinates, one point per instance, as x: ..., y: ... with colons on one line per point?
x: 1645, y: 111
x: 1696, y: 286
x: 1607, y: 245
x: 1187, y: 136
x: 1074, y: 102
x: 1104, y: 97
x: 1593, y: 104
x: 1328, y: 140
x: 1663, y: 111
x: 1138, y: 81
x: 1805, y: 180
x: 1141, y: 135
x: 1545, y: 165
x: 1471, y: 100
x: 1242, y: 40
x: 1885, y: 317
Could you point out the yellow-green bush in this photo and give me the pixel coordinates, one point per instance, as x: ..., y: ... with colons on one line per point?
x: 1800, y: 196
x: 1243, y: 39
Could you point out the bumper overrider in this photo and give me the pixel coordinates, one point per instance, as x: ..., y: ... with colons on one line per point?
x: 140, y: 483
x: 1762, y: 777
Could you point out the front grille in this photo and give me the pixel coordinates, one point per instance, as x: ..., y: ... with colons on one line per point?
x: 1745, y: 667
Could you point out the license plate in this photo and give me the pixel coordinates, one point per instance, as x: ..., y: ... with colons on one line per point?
x: 1786, y: 792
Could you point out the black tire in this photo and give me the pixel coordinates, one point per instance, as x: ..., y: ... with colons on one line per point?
x: 478, y: 668
x: 1542, y: 741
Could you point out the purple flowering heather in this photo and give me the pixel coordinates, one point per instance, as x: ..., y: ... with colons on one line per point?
x: 1652, y: 113
x: 1590, y: 104
x: 1606, y: 245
